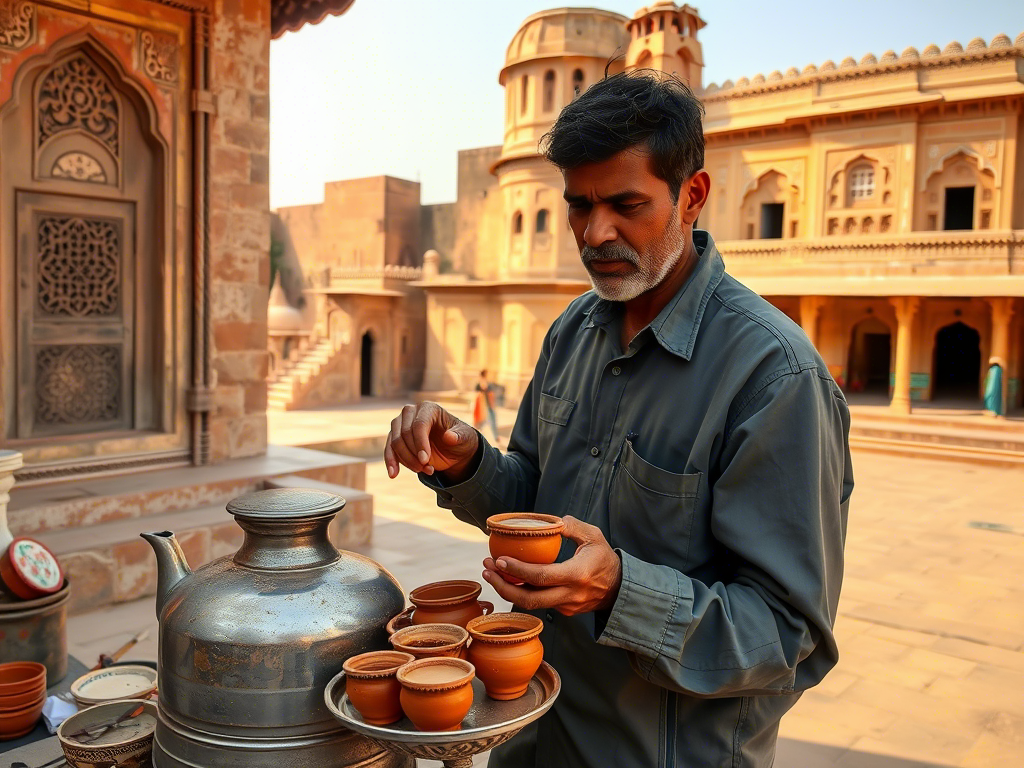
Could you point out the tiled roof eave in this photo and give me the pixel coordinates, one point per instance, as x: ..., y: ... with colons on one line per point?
x: 292, y: 15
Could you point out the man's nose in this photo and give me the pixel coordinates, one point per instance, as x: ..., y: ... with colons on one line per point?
x: 600, y: 229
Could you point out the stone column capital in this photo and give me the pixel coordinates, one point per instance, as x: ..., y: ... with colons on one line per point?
x: 1002, y: 308
x: 906, y: 307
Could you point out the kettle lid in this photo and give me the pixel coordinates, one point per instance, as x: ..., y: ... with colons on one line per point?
x: 286, y: 504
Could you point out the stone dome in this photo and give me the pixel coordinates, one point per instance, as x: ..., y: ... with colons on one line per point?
x: 1019, y: 42
x: 743, y: 82
x: 869, y: 60
x: 282, y: 316
x: 810, y: 69
x: 931, y: 51
x: 728, y: 84
x: 757, y: 79
x: 1001, y: 41
x: 910, y: 54
x: 828, y: 66
x: 953, y: 47
x: 775, y: 76
x: 710, y: 88
x: 889, y: 57
x: 848, y: 63
x: 792, y: 72
x: 567, y: 32
x: 977, y: 44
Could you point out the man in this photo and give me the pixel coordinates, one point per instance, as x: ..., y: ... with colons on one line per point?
x: 698, y: 447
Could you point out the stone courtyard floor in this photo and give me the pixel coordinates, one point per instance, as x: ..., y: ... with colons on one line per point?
x: 930, y: 627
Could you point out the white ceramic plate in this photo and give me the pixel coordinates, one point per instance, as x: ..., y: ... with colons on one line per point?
x: 128, y: 682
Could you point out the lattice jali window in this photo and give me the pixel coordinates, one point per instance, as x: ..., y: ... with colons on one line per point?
x: 862, y: 182
x: 78, y: 384
x: 79, y: 266
x: 75, y: 94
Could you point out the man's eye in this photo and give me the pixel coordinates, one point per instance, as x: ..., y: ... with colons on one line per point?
x: 628, y: 207
x: 579, y: 206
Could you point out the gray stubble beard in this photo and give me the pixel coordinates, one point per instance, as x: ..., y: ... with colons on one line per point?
x: 661, y: 262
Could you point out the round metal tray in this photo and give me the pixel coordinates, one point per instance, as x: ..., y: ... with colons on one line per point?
x: 488, y: 724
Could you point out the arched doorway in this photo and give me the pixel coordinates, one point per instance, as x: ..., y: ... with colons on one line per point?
x: 870, y: 357
x: 957, y: 363
x: 366, y: 366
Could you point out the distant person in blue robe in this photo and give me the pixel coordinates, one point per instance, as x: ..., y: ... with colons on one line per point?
x: 994, y: 387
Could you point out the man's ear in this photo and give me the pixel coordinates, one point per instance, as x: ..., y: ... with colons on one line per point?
x: 693, y: 195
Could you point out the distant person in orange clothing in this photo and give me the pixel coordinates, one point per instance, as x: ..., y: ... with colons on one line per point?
x: 483, y: 407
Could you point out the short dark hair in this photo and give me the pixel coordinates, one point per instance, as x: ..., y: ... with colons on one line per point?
x: 643, y: 107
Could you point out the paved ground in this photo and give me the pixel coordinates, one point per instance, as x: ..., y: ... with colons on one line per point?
x: 931, y: 624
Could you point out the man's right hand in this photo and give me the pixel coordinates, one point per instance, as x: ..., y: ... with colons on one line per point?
x: 426, y: 438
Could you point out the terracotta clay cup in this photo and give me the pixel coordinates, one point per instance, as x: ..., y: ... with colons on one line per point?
x: 372, y: 687
x: 18, y: 720
x: 437, y: 693
x: 431, y: 640
x: 506, y: 652
x: 444, y: 602
x: 525, y: 536
x: 19, y: 700
x: 21, y: 676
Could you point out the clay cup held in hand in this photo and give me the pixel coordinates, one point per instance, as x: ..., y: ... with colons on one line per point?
x: 525, y: 536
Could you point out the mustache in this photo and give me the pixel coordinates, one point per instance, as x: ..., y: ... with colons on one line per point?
x: 610, y: 252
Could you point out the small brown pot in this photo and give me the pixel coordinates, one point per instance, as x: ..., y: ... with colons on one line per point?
x: 372, y: 687
x: 506, y: 652
x: 437, y: 693
x: 446, y: 602
x: 431, y: 640
x: 525, y: 536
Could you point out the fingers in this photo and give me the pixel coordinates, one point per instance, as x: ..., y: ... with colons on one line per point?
x: 580, y: 532
x: 400, y: 447
x: 553, y: 575
x: 409, y: 414
x: 421, y: 424
x: 527, y: 597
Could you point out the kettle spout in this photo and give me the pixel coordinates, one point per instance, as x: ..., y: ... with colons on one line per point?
x: 171, y: 565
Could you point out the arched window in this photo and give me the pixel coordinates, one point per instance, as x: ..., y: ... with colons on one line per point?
x: 517, y: 223
x: 549, y: 90
x: 862, y: 182
x: 577, y: 82
x: 542, y: 220
x: 525, y: 94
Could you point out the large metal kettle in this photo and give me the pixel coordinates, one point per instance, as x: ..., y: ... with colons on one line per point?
x: 249, y: 642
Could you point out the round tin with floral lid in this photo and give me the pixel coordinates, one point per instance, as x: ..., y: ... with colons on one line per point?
x: 30, y: 570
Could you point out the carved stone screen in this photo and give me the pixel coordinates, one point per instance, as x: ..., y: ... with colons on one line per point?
x: 78, y: 384
x: 79, y: 266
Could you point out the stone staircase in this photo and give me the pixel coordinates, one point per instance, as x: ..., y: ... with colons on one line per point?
x: 93, y: 525
x: 968, y: 439
x: 296, y: 377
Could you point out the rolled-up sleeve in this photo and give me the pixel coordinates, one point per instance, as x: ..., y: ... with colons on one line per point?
x: 780, y: 497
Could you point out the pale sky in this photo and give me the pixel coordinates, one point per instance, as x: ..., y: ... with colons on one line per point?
x: 399, y: 86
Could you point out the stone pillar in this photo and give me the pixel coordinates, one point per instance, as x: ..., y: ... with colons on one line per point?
x: 1002, y: 314
x: 431, y: 265
x: 809, y: 308
x: 9, y: 461
x: 906, y: 309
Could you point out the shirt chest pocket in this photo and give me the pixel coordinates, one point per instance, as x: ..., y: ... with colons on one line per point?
x: 651, y: 510
x: 552, y: 418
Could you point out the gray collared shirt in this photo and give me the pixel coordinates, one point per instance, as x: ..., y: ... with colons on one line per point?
x: 713, y: 454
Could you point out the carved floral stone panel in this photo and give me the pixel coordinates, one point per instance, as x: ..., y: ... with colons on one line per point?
x: 78, y: 166
x: 17, y: 23
x: 76, y: 95
x: 159, y: 56
x: 79, y: 266
x: 77, y: 384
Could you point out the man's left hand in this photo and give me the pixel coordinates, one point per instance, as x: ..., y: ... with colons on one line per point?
x: 588, y: 581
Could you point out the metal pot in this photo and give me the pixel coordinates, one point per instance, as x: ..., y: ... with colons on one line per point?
x: 36, y: 630
x: 248, y: 643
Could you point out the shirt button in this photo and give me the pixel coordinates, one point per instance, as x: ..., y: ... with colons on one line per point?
x: 595, y: 451
x: 616, y: 371
x: 550, y: 616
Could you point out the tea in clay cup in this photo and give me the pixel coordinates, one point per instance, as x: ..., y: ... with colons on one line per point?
x: 372, y: 685
x: 525, y: 536
x: 431, y: 640
x: 448, y: 602
x: 506, y: 651
x: 437, y: 693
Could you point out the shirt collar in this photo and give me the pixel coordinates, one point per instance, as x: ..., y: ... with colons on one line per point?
x: 677, y: 324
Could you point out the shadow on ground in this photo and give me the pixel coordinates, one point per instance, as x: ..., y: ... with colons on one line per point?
x: 792, y: 753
